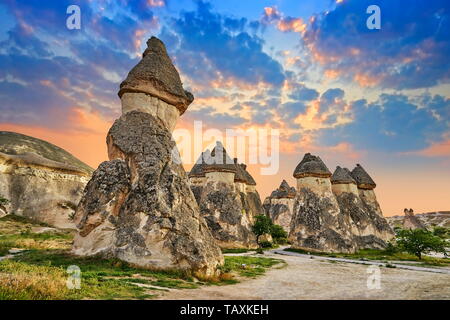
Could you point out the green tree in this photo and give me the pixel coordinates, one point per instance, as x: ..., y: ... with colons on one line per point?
x: 441, y: 232
x: 420, y: 241
x: 261, y: 226
x: 278, y: 234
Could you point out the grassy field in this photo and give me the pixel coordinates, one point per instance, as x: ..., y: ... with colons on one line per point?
x: 383, y: 255
x: 40, y: 272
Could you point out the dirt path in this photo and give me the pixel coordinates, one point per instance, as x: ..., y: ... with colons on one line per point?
x: 305, y: 278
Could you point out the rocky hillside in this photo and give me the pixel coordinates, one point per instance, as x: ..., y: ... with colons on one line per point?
x: 41, y: 181
x: 17, y: 144
x: 429, y: 219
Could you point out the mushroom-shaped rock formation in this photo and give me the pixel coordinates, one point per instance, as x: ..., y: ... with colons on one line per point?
x: 312, y: 173
x: 138, y: 207
x: 224, y: 201
x: 279, y: 206
x: 342, y: 181
x: 317, y: 223
x: 41, y: 181
x: 154, y: 86
x: 410, y: 221
x: 220, y: 166
x: 366, y: 187
x: 371, y: 230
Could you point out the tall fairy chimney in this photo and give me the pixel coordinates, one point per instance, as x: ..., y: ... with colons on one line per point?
x: 154, y: 86
x: 366, y: 187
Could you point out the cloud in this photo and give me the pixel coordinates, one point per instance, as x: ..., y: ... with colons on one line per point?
x: 394, y: 123
x: 283, y: 23
x: 410, y: 51
x: 208, y: 47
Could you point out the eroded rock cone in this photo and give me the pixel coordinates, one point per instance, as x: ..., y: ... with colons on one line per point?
x: 279, y: 206
x: 370, y: 229
x: 317, y: 223
x: 228, y: 208
x: 138, y: 207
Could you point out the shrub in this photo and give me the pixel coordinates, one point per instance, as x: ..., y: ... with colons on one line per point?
x: 420, y: 241
x: 441, y: 232
x: 262, y: 226
x: 265, y: 244
x: 278, y: 234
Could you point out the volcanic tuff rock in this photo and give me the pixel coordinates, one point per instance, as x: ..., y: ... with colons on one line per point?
x: 410, y: 221
x: 156, y: 75
x: 227, y: 197
x: 338, y: 213
x: 317, y: 223
x: 42, y: 181
x: 138, y: 207
x: 279, y: 206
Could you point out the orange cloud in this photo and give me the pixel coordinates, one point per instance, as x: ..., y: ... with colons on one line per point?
x: 438, y: 149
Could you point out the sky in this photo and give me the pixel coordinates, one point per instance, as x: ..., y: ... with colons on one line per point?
x: 311, y: 69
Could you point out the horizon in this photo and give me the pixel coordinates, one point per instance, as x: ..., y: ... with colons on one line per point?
x: 332, y: 87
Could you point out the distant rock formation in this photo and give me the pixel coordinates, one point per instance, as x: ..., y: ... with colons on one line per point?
x: 227, y: 197
x: 138, y: 206
x: 429, y: 219
x: 279, y: 206
x: 42, y: 181
x: 336, y: 213
x: 410, y: 221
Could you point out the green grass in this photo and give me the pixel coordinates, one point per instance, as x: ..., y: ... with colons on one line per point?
x: 383, y: 255
x: 236, y: 250
x: 40, y: 272
x: 249, y: 266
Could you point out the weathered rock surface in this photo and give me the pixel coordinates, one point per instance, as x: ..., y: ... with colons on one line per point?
x: 279, y: 206
x: 225, y: 201
x: 336, y: 213
x: 42, y: 181
x: 222, y: 206
x: 372, y: 230
x: 139, y: 208
x: 318, y: 225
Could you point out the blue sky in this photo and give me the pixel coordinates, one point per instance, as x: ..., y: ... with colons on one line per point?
x: 311, y: 69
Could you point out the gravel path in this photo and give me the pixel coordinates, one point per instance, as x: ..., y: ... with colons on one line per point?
x: 306, y: 278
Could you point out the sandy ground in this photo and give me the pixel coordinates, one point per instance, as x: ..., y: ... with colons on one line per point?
x: 305, y: 278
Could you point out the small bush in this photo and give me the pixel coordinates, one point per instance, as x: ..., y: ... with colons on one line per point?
x: 266, y: 244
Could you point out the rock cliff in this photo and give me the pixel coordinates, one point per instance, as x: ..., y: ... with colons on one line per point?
x: 42, y: 181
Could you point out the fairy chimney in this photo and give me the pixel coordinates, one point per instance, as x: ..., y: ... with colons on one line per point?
x: 317, y: 223
x: 154, y: 86
x: 279, y: 206
x: 138, y: 207
x: 366, y: 187
x: 312, y: 173
x: 221, y: 167
x: 343, y: 182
